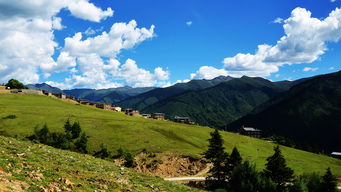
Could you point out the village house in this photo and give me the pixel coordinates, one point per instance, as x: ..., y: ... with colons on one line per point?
x: 185, y: 120
x: 118, y: 109
x: 47, y: 93
x: 2, y: 87
x: 158, y: 116
x: 132, y: 112
x: 249, y: 131
x: 336, y: 155
x: 83, y: 102
x: 147, y: 116
x: 60, y: 95
x: 103, y: 106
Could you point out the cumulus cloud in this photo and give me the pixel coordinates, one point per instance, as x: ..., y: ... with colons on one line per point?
x: 208, y: 72
x: 305, y: 40
x: 27, y: 45
x: 27, y: 40
x: 306, y: 69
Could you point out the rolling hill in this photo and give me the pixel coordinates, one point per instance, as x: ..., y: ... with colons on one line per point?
x: 31, y: 167
x: 45, y: 86
x: 148, y: 98
x: 309, y: 113
x: 221, y: 104
x: 134, y: 134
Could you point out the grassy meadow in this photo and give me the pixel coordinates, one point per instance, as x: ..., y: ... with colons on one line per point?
x: 116, y: 130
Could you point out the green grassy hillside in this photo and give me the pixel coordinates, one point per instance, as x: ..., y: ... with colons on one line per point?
x: 132, y: 133
x: 28, y: 167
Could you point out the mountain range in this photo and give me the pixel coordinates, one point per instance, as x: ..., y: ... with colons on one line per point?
x: 309, y: 113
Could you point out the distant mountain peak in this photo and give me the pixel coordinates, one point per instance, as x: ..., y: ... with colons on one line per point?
x: 222, y: 78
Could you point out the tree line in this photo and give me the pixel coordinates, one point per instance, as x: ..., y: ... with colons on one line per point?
x: 74, y: 139
x: 230, y: 173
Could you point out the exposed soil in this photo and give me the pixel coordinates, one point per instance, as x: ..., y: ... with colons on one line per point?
x: 168, y: 165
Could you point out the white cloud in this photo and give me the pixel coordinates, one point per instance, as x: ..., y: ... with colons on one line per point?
x: 304, y: 41
x: 27, y: 40
x: 89, y: 31
x: 278, y: 20
x: 333, y: 1
x: 189, y: 23
x: 208, y: 72
x: 121, y: 36
x: 331, y: 68
x: 306, y: 69
x: 277, y: 75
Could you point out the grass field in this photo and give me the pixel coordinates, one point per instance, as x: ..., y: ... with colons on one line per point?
x: 28, y: 167
x: 118, y: 130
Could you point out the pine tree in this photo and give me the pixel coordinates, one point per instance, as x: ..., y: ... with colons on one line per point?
x: 215, y: 147
x: 277, y: 170
x: 43, y: 134
x: 218, y: 174
x: 81, y: 144
x: 68, y: 129
x: 328, y: 183
x: 233, y: 160
x: 76, y: 130
x: 245, y: 177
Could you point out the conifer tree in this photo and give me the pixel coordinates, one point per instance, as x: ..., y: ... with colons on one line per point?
x: 233, y: 160
x: 328, y: 183
x: 76, y: 130
x: 215, y: 147
x: 81, y: 143
x: 218, y: 174
x: 277, y: 170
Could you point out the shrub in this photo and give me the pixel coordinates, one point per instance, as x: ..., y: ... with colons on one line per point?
x: 10, y: 117
x: 129, y: 160
x: 103, y: 152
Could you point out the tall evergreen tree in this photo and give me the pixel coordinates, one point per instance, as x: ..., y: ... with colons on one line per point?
x: 42, y: 134
x: 215, y: 147
x: 218, y: 174
x: 277, y: 170
x: 245, y: 177
x: 328, y: 183
x: 68, y: 129
x: 233, y: 160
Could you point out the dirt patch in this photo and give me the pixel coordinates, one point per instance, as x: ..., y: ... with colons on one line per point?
x: 169, y: 165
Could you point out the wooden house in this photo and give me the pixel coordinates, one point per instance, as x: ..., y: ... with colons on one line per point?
x: 249, y: 131
x: 118, y: 109
x: 103, y: 106
x: 158, y: 116
x: 132, y: 112
x: 185, y: 120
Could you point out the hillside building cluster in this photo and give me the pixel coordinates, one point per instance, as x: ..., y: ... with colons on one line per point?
x: 63, y: 96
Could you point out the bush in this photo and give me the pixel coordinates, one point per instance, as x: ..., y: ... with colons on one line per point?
x: 103, y: 152
x: 10, y: 117
x: 129, y: 160
x: 81, y: 144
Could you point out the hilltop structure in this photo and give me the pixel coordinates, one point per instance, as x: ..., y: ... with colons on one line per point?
x: 250, y: 131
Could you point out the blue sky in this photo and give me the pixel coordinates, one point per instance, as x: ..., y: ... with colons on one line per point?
x: 191, y: 39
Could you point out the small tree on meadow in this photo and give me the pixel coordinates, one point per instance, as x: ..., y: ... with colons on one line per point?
x: 129, y: 160
x: 103, y: 152
x: 81, y: 144
x: 42, y: 134
x: 277, y: 170
x: 215, y: 147
x: 76, y: 130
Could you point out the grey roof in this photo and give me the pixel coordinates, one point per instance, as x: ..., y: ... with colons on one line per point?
x: 336, y: 153
x: 250, y: 129
x: 177, y: 117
